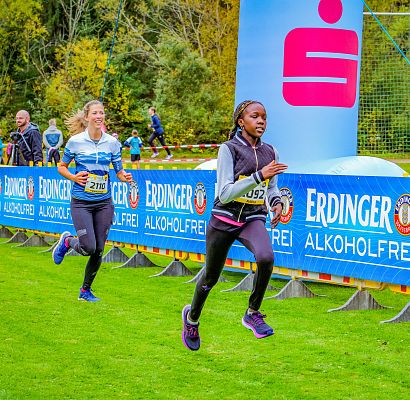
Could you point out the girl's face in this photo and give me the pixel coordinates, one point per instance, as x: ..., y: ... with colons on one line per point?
x: 253, y: 121
x: 96, y: 116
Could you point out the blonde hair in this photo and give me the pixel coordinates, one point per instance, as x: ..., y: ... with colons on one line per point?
x: 76, y: 122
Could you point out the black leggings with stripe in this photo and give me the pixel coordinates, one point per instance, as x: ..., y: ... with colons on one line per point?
x: 219, y: 238
x: 92, y: 222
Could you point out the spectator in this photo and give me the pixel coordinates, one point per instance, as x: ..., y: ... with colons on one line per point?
x: 52, y: 140
x: 2, y: 146
x: 28, y: 141
x: 134, y: 143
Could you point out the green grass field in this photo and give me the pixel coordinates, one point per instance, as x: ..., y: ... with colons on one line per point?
x: 128, y: 346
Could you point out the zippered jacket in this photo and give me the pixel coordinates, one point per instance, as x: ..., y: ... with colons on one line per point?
x: 94, y: 158
x: 241, y: 192
x: 29, y: 145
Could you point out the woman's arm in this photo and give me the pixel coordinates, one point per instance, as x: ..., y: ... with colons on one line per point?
x: 80, y: 177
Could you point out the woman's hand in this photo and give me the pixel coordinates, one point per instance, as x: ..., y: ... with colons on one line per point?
x: 124, y: 176
x: 273, y: 169
x: 80, y: 178
x: 277, y: 210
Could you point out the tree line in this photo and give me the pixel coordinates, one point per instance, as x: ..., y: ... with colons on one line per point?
x: 178, y: 55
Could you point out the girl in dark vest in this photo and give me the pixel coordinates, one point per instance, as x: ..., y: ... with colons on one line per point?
x: 246, y: 182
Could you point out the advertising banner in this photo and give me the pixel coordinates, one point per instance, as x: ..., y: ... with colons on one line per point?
x: 301, y: 59
x: 352, y: 226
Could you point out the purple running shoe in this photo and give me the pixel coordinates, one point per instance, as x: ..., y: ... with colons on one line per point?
x: 256, y: 323
x: 190, y: 333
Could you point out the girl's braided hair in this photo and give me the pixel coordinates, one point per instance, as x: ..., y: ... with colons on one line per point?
x: 240, y: 108
x: 76, y: 122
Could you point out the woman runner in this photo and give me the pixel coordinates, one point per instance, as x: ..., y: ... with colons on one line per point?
x: 92, y: 209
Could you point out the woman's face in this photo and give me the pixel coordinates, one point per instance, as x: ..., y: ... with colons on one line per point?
x: 253, y: 120
x: 96, y: 116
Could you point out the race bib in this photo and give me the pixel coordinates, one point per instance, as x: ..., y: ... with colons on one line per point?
x: 255, y: 196
x: 97, y: 184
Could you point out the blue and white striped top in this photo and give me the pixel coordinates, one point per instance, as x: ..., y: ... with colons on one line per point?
x: 94, y: 158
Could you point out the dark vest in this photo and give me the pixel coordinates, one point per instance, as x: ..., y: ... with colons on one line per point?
x: 246, y: 160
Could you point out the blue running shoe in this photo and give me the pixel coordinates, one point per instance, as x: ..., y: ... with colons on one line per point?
x: 86, y: 295
x: 61, y: 249
x: 190, y: 333
x: 256, y: 323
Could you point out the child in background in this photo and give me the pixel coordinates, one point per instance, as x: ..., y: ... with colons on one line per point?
x: 247, y: 179
x: 134, y: 143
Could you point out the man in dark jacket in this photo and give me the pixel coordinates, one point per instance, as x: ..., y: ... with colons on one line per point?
x: 28, y: 146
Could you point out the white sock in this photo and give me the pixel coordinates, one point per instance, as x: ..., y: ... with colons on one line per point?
x: 190, y: 322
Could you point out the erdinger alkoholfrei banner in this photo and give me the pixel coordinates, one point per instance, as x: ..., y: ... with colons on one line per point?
x: 301, y: 59
x: 349, y: 226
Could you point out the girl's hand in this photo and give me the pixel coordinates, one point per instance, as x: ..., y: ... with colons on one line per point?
x: 81, y: 178
x: 277, y: 210
x: 273, y: 169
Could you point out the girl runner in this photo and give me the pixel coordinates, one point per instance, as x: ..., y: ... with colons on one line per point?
x: 247, y: 172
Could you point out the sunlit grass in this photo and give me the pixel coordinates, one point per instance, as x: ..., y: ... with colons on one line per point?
x: 128, y: 345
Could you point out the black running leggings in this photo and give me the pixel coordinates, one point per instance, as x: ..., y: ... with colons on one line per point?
x: 219, y: 239
x: 161, y: 140
x: 92, y: 222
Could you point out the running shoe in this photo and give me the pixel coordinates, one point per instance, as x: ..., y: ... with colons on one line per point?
x: 190, y: 333
x: 256, y: 323
x: 154, y: 155
x: 87, y: 295
x: 61, y: 248
x: 169, y: 156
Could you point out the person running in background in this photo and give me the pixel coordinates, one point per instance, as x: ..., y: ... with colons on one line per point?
x: 92, y: 209
x: 157, y: 132
x: 52, y: 141
x: 247, y: 172
x: 134, y: 143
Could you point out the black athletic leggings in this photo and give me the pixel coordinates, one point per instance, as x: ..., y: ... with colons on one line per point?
x: 219, y: 238
x: 161, y: 140
x: 92, y: 222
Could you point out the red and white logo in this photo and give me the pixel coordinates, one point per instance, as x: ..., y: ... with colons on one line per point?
x: 134, y: 195
x: 402, y: 214
x: 30, y: 188
x: 200, y: 198
x: 286, y: 198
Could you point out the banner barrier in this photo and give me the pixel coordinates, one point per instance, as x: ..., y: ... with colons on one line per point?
x: 352, y: 227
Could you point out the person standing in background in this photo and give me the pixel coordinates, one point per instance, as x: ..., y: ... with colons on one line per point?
x: 134, y: 143
x: 28, y: 141
x: 2, y: 146
x: 52, y: 140
x: 157, y: 132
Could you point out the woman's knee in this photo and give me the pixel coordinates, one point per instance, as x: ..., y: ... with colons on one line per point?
x: 87, y: 249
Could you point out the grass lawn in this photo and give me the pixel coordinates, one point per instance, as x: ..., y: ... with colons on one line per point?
x: 128, y: 345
